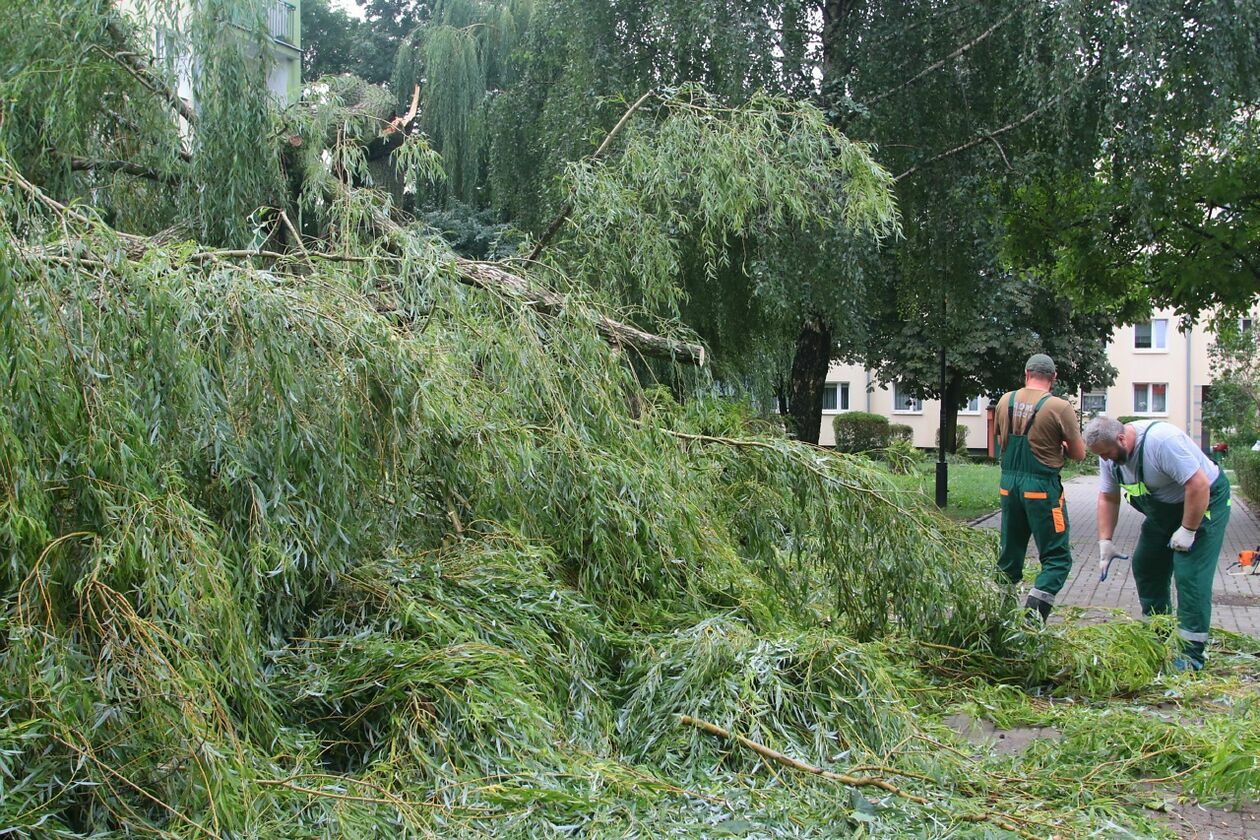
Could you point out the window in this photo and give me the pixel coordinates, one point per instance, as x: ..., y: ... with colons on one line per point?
x: 1095, y: 402
x: 904, y: 402
x: 836, y: 396
x: 1150, y: 398
x: 1151, y: 335
x: 971, y: 406
x: 1244, y: 325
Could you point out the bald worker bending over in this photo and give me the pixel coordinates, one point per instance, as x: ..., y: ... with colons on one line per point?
x: 1186, y: 500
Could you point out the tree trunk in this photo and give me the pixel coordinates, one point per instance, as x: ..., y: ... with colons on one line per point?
x: 809, y: 377
x: 953, y: 400
x: 781, y: 397
x: 835, y: 15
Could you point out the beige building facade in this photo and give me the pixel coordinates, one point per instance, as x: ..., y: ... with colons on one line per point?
x: 281, y: 54
x: 1161, y: 374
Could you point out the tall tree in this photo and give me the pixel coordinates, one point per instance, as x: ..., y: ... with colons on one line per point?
x: 1006, y: 101
x: 1181, y: 229
x: 336, y: 43
x: 754, y: 304
x: 459, y: 53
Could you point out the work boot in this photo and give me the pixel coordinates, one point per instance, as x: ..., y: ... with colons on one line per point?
x: 1182, y: 663
x: 1037, y: 608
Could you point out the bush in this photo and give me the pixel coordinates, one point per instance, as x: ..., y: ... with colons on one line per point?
x: 1130, y: 418
x: 902, y: 456
x: 860, y: 431
x: 900, y: 431
x: 1247, y: 468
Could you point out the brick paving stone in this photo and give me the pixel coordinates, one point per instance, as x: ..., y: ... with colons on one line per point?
x: 1235, y: 598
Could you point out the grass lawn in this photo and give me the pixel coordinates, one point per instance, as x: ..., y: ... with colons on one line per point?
x: 973, y: 488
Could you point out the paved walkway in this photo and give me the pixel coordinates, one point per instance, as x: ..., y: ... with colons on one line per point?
x: 1235, y: 598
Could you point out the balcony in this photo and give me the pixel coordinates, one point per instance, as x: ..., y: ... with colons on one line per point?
x: 282, y: 22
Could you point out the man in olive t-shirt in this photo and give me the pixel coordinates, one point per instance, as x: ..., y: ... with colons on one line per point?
x: 1034, y: 432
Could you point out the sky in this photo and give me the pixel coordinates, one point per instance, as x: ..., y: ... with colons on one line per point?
x: 351, y: 7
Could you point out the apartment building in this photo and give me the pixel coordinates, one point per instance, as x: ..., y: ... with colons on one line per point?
x: 1162, y: 373
x: 282, y: 55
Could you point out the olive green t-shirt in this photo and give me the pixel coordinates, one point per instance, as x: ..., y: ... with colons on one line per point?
x: 1056, y: 424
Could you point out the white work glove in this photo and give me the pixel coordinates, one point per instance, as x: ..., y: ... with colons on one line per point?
x: 1182, y: 540
x: 1106, y: 553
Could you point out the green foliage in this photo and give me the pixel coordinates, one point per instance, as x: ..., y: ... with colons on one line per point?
x: 1246, y: 465
x: 289, y: 560
x: 901, y: 456
x: 733, y: 248
x: 335, y: 43
x: 1166, y: 215
x: 308, y: 524
x: 900, y: 431
x: 472, y: 234
x: 330, y: 544
x: 1231, y: 405
x: 234, y: 115
x: 1130, y: 418
x: 63, y: 98
x: 860, y: 431
x: 458, y: 52
x: 582, y: 61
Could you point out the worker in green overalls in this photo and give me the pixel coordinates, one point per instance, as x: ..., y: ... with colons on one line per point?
x: 1035, y: 432
x: 1186, y: 500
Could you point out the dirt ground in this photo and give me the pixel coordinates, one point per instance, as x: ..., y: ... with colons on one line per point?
x: 1187, y: 819
x: 1198, y: 822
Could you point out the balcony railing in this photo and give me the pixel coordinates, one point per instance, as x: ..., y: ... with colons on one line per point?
x: 282, y: 22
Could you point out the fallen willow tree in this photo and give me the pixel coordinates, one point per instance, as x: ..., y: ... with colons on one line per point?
x: 342, y: 546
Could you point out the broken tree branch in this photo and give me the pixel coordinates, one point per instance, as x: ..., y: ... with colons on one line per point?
x: 983, y: 137
x: 399, y: 123
x: 495, y: 278
x: 939, y: 64
x: 851, y: 781
x: 133, y: 64
x: 81, y: 164
x: 565, y: 210
x: 991, y: 136
x: 395, y: 131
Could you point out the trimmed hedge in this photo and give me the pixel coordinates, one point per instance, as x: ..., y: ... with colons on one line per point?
x: 1247, y: 468
x: 1130, y: 418
x: 900, y: 431
x: 860, y: 431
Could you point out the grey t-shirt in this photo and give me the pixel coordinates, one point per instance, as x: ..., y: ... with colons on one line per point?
x: 1170, y: 460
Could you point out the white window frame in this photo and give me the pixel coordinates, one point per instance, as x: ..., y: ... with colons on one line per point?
x: 1150, y: 399
x: 1105, y: 400
x: 917, y: 405
x: 1245, y: 324
x: 966, y: 409
x: 1153, y: 348
x: 843, y: 395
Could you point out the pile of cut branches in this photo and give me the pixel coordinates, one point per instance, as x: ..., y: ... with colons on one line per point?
x: 343, y: 544
x: 309, y: 527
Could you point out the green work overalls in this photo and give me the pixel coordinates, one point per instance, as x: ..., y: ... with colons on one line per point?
x: 1155, y: 564
x: 1032, y: 505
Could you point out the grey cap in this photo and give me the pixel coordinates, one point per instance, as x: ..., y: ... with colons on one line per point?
x: 1040, y: 364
